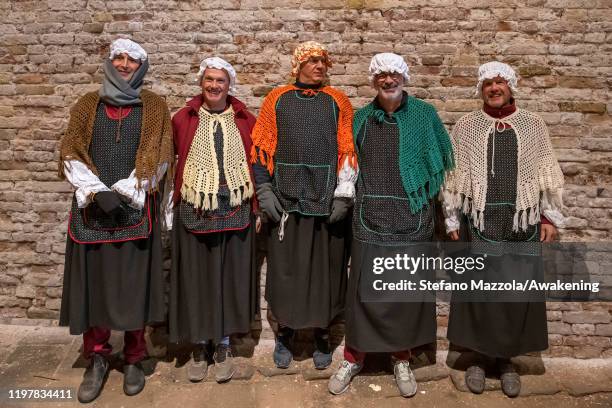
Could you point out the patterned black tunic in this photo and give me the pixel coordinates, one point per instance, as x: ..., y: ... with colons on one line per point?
x: 114, y: 285
x: 213, y: 281
x: 382, y: 226
x: 306, y: 271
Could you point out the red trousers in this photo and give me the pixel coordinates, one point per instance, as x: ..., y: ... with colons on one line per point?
x: 353, y: 356
x: 95, y: 340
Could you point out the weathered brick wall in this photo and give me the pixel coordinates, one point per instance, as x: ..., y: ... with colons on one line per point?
x: 51, y: 52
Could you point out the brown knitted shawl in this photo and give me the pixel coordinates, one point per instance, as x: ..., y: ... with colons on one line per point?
x: 155, y: 146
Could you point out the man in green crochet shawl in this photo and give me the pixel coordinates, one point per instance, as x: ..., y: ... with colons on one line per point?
x: 404, y: 153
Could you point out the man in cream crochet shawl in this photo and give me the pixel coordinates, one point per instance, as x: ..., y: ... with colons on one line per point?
x: 539, y: 178
x: 508, y: 185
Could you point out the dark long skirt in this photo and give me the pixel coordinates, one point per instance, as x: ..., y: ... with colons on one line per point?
x: 499, y: 329
x: 307, y: 271
x: 213, y: 283
x: 118, y: 286
x: 384, y: 326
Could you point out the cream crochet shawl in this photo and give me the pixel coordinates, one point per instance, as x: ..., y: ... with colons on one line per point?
x: 201, y: 175
x: 539, y: 179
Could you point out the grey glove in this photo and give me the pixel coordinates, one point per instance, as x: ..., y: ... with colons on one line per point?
x: 269, y: 202
x: 340, y: 209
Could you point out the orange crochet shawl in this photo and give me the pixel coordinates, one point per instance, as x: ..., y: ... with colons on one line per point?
x: 265, y: 133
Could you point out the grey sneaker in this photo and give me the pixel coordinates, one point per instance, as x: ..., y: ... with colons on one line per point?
x: 404, y: 378
x: 198, y: 365
x: 224, y: 363
x: 339, y: 382
x: 510, y: 380
x: 475, y: 378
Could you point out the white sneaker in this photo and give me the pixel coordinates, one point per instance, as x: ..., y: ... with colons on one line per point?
x: 404, y: 378
x: 339, y: 382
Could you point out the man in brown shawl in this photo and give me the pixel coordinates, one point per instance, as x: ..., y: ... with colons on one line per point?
x: 115, y: 152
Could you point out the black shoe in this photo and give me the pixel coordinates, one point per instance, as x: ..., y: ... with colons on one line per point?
x: 282, y: 354
x: 475, y: 379
x: 133, y: 379
x: 322, y: 356
x: 93, y: 379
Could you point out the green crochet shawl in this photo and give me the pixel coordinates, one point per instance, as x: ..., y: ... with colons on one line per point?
x: 425, y: 150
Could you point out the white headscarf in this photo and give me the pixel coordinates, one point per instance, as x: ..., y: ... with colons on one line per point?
x: 388, y: 62
x: 131, y: 48
x: 219, y: 63
x: 494, y: 69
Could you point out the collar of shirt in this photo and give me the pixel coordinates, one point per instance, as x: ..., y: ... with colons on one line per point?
x: 500, y: 113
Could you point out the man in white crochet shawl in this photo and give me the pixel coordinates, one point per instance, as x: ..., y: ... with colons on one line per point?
x: 508, y: 185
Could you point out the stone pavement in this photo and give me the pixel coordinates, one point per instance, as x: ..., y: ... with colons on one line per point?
x: 48, y: 357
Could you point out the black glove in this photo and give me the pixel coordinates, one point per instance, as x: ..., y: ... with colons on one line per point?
x: 340, y: 209
x: 109, y: 202
x: 269, y: 202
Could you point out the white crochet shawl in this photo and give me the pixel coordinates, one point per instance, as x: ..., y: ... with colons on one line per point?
x: 539, y: 179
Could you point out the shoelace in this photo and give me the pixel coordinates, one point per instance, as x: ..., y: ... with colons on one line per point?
x: 404, y: 372
x: 344, y: 371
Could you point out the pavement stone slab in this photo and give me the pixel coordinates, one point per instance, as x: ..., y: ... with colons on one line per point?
x: 539, y: 385
x: 433, y: 372
x: 311, y: 374
x: 533, y: 365
x: 374, y: 386
x: 584, y: 382
x: 27, y: 363
x: 47, y: 336
x: 244, y: 372
x: 275, y: 371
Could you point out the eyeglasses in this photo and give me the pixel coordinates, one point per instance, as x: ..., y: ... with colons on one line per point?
x: 395, y: 76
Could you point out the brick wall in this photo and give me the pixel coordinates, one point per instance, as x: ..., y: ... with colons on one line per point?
x: 51, y: 52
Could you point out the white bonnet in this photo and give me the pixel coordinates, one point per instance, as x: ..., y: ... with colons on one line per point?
x: 388, y: 62
x: 131, y: 48
x: 493, y: 69
x: 219, y: 63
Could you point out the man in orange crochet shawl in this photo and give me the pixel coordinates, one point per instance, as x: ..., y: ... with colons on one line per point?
x: 305, y: 170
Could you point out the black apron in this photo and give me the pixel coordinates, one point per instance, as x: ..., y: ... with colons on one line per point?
x: 115, y: 158
x: 225, y: 217
x: 305, y: 162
